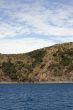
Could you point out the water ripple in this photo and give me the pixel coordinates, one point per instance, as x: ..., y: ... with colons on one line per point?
x: 36, y: 97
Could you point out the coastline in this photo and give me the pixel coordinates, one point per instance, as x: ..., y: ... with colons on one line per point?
x: 49, y: 82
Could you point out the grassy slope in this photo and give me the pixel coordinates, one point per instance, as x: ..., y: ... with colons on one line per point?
x: 53, y: 63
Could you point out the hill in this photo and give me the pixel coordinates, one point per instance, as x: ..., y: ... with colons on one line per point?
x: 53, y: 63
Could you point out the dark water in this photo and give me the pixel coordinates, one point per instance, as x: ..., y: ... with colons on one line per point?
x: 36, y: 97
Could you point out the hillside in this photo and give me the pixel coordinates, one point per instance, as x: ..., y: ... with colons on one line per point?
x: 53, y: 63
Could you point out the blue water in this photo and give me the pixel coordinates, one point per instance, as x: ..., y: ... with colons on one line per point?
x: 36, y: 96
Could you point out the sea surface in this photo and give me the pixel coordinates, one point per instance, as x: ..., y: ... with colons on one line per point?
x: 36, y: 96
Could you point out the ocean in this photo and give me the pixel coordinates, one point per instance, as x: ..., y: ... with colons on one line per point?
x: 53, y: 96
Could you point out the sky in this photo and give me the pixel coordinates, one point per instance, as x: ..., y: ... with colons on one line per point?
x: 27, y: 25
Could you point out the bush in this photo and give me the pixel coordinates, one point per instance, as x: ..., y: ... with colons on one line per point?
x: 37, y: 56
x: 9, y: 69
x: 63, y: 62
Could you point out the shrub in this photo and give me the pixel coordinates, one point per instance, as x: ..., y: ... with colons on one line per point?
x: 9, y: 69
x: 37, y: 56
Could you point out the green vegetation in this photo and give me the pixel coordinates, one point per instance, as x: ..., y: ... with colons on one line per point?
x: 37, y: 56
x: 9, y: 69
x: 63, y: 61
x: 47, y: 64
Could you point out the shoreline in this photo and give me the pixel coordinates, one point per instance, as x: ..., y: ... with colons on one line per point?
x: 49, y: 82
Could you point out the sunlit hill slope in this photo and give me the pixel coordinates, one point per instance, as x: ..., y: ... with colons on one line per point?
x: 53, y: 63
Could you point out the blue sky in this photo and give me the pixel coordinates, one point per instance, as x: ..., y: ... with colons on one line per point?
x: 26, y: 25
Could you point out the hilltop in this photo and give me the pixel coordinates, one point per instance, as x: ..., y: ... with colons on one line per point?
x: 54, y: 63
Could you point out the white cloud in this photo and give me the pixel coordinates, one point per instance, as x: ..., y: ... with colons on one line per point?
x: 45, y: 21
x: 41, y: 26
x: 38, y: 25
x: 35, y: 18
x: 19, y: 18
x: 22, y: 45
x: 8, y: 30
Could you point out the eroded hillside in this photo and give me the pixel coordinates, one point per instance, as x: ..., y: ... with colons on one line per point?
x: 53, y: 63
